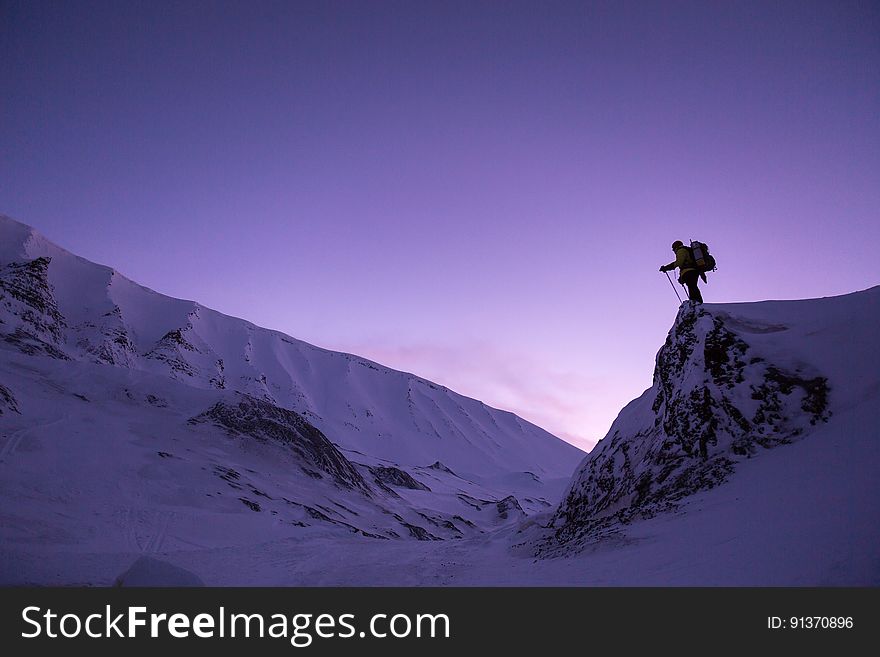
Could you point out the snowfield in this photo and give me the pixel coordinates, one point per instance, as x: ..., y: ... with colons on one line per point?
x: 149, y: 440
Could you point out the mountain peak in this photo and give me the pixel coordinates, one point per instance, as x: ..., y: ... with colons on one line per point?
x: 731, y: 382
x: 64, y: 306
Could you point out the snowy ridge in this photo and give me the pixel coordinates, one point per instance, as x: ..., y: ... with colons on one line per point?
x: 731, y: 382
x: 60, y: 305
x: 138, y: 424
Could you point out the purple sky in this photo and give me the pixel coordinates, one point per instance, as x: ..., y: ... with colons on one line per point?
x: 480, y: 193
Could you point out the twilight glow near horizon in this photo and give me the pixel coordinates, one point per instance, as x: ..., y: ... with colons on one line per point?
x: 480, y: 193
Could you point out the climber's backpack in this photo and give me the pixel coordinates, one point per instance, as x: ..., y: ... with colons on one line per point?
x: 703, y: 260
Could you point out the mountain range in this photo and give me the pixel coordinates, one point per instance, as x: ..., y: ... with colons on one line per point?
x: 148, y: 440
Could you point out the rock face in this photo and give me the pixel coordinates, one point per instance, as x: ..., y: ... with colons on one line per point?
x: 510, y: 506
x: 436, y: 465
x: 714, y: 401
x: 37, y: 327
x: 264, y: 421
x: 392, y: 476
x: 106, y: 340
x: 171, y: 349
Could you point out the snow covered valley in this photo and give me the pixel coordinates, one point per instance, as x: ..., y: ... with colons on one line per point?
x: 140, y: 429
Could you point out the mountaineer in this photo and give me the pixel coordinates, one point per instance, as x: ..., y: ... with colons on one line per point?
x: 688, y: 273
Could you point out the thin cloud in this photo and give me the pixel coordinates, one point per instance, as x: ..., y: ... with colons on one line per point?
x: 558, y: 401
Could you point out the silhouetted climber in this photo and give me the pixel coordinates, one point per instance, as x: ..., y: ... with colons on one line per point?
x: 687, y: 270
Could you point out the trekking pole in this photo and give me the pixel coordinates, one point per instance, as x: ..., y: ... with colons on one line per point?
x: 673, y: 286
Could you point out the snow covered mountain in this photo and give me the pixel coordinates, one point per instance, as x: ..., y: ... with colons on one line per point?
x: 65, y: 307
x: 731, y: 383
x: 157, y: 441
x: 132, y: 421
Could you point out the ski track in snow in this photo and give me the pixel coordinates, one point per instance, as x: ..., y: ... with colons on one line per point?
x: 15, y: 440
x: 158, y: 539
x: 11, y: 444
x: 155, y: 529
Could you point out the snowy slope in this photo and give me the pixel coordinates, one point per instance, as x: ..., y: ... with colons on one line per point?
x: 733, y: 384
x: 148, y: 440
x: 88, y: 312
x: 135, y: 424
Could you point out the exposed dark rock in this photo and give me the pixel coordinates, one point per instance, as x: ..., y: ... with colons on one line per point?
x: 317, y: 515
x: 772, y: 393
x: 117, y: 349
x: 472, y: 501
x: 396, y: 477
x: 227, y: 473
x: 7, y: 400
x: 26, y: 293
x: 28, y: 282
x: 723, y: 354
x: 219, y: 381
x: 385, y: 488
x: 420, y: 533
x: 107, y: 341
x: 323, y: 517
x: 170, y: 349
x: 715, y: 403
x: 264, y: 422
x: 448, y: 524
x: 436, y: 465
x: 464, y: 521
x: 379, y: 536
x: 253, y: 506
x: 440, y: 522
x: 345, y: 508
x: 332, y: 512
x: 509, y: 505
x: 230, y: 476
x: 31, y: 345
x: 175, y: 338
x: 257, y: 491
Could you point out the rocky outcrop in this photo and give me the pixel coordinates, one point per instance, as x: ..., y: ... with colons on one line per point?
x: 392, y: 476
x: 172, y: 350
x: 266, y: 422
x: 510, y: 506
x: 32, y: 321
x: 715, y: 401
x: 420, y: 533
x: 436, y: 465
x: 107, y: 340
